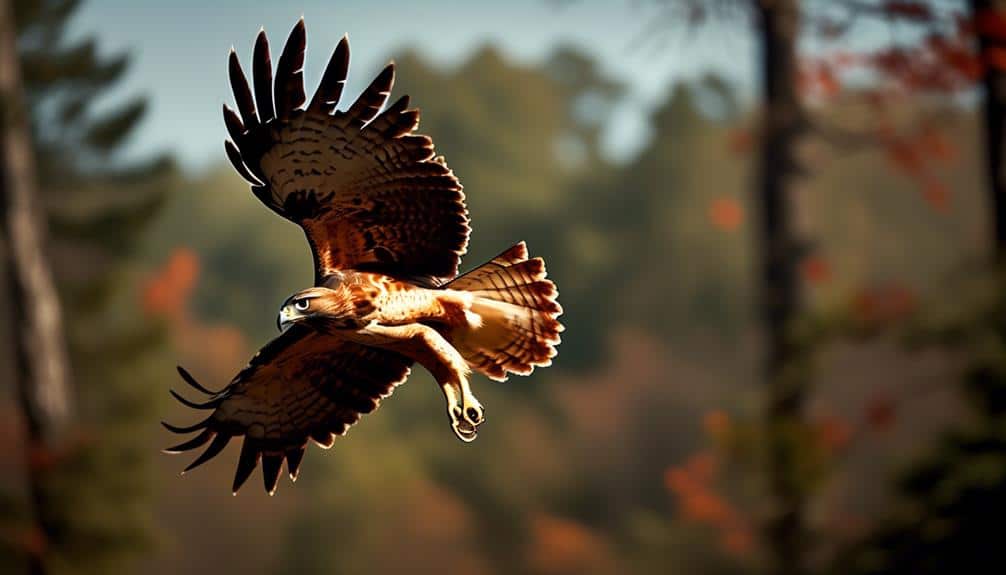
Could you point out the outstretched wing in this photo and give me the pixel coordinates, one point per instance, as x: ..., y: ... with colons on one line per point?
x: 302, y: 385
x: 367, y: 190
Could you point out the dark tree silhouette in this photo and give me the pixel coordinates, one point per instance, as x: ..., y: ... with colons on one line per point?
x: 777, y: 26
x: 779, y: 290
x: 989, y: 17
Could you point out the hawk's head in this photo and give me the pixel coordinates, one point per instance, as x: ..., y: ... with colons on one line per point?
x: 315, y: 305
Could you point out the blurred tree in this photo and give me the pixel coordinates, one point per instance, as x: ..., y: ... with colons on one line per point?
x: 96, y: 207
x: 37, y: 333
x: 988, y: 18
x: 943, y: 514
x: 937, y: 58
x: 779, y: 249
x: 781, y: 124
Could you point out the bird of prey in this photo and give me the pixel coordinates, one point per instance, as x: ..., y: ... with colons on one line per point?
x: 387, y: 225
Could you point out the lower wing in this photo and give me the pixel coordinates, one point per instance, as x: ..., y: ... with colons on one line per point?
x: 302, y: 385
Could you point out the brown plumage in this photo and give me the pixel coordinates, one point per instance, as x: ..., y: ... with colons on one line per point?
x: 387, y: 224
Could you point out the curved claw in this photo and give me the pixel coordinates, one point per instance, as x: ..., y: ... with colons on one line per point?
x: 212, y: 404
x: 192, y: 381
x: 187, y: 429
x: 475, y: 414
x: 465, y: 431
x: 465, y: 412
x: 465, y: 422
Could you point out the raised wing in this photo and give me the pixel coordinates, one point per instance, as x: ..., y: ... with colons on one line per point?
x: 302, y: 385
x: 368, y: 191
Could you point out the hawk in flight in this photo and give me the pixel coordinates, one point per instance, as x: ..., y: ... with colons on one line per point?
x: 387, y: 225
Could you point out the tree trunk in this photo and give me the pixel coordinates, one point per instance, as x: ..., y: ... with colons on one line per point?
x: 37, y: 332
x: 994, y: 120
x: 784, y: 529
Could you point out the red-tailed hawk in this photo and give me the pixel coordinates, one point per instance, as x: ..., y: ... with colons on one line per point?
x: 387, y: 225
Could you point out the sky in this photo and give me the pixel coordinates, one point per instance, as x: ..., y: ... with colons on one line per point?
x: 179, y: 52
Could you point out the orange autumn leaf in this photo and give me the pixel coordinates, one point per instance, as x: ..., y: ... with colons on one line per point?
x: 891, y: 61
x: 716, y: 423
x: 726, y: 214
x: 698, y: 501
x: 704, y: 506
x: 818, y: 78
x: 883, y: 304
x: 737, y: 541
x: 834, y: 434
x: 937, y: 195
x: 936, y: 145
x: 828, y: 81
x: 815, y: 270
x: 904, y: 156
x: 677, y: 480
x: 562, y: 545
x: 216, y: 350
x: 167, y: 291
x: 702, y: 466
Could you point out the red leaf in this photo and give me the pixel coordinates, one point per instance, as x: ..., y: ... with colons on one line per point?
x: 167, y: 292
x: 935, y: 145
x: 815, y: 270
x: 904, y: 156
x: 883, y: 304
x: 880, y: 412
x: 726, y: 214
x: 834, y: 434
x: 991, y: 23
x: 917, y: 11
x: 827, y: 80
x: 716, y: 423
x: 937, y: 195
x: 995, y: 57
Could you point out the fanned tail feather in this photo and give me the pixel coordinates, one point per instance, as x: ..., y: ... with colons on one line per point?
x: 519, y: 309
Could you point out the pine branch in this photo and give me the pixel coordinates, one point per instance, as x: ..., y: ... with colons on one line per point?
x: 108, y: 133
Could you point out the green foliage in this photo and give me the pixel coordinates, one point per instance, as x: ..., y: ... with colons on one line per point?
x: 667, y: 196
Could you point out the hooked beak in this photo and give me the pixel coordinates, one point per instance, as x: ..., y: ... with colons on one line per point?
x: 287, y: 317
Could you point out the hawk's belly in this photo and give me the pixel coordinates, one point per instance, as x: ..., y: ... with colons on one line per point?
x: 387, y: 301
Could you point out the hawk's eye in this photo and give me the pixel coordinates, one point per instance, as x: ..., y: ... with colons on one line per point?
x: 301, y: 305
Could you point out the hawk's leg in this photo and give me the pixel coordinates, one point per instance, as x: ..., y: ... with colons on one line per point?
x: 425, y: 345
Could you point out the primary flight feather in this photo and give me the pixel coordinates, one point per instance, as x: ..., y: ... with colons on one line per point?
x: 387, y: 225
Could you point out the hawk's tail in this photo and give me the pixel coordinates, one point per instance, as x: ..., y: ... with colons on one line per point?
x: 518, y: 310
